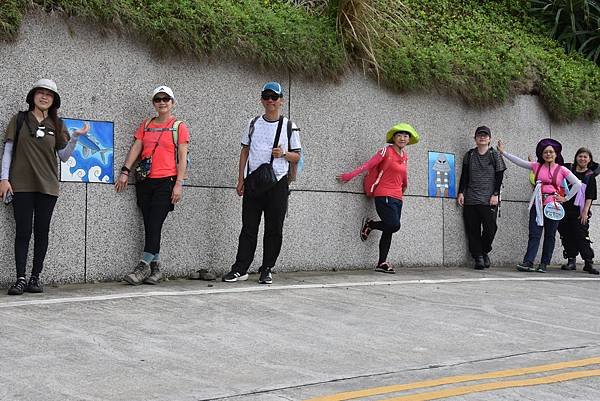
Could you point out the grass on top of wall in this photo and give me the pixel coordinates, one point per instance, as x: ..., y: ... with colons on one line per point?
x: 482, y: 52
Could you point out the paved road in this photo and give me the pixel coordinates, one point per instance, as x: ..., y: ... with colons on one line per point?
x: 453, y: 334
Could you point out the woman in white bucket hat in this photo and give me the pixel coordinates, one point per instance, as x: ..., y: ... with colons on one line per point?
x: 29, y: 176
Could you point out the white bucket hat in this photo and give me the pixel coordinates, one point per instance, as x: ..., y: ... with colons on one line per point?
x: 44, y: 84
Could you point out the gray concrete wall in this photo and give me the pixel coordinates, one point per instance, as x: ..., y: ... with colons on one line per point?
x: 97, y: 234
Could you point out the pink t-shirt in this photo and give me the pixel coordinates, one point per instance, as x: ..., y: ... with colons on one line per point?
x: 163, y: 159
x: 549, y: 176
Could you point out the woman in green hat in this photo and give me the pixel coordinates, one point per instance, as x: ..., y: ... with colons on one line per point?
x: 386, y: 181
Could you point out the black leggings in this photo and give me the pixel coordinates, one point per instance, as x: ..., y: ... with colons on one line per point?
x: 33, y: 212
x: 389, y: 210
x: 154, y: 198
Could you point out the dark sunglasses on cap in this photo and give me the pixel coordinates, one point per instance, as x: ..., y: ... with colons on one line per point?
x: 161, y: 99
x: 272, y: 96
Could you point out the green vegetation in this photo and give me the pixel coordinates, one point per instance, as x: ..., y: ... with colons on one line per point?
x: 482, y: 52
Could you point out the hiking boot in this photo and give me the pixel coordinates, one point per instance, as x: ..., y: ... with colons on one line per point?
x: 155, y: 276
x: 265, y: 277
x: 486, y: 261
x: 202, y: 274
x: 525, y: 267
x: 139, y: 274
x: 589, y: 267
x: 570, y: 265
x: 18, y: 287
x: 234, y: 276
x: 541, y: 268
x: 34, y: 285
x: 365, y: 230
x: 479, y: 263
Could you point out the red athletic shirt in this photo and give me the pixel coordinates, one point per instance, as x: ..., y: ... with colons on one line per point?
x: 163, y: 159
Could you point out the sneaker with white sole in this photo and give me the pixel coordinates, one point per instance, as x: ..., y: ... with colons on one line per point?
x: 234, y: 276
x: 265, y: 277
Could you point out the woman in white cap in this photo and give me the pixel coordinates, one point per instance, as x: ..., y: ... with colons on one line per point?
x: 386, y: 180
x: 29, y: 177
x: 161, y: 145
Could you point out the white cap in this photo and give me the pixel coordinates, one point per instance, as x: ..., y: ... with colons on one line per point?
x: 163, y: 89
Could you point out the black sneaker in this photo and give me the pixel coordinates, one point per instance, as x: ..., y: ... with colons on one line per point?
x: 589, y: 267
x: 541, y: 268
x: 525, y: 267
x: 18, y: 287
x: 234, y: 276
x: 365, y: 230
x: 479, y: 263
x: 486, y: 261
x: 139, y: 274
x: 265, y: 277
x: 34, y: 285
x: 570, y: 265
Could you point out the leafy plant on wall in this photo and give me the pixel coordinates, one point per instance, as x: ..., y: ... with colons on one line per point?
x: 575, y: 23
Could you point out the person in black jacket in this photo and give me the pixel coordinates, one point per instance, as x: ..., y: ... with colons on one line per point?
x: 479, y: 195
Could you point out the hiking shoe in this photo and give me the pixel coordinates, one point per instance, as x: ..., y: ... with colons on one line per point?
x: 486, y: 261
x: 479, y: 263
x: 365, y: 230
x: 384, y: 267
x: 570, y: 265
x: 34, y: 285
x: 525, y: 267
x: 265, y: 277
x: 234, y: 276
x: 202, y: 274
x: 541, y: 268
x: 139, y: 274
x: 589, y: 267
x: 155, y: 276
x: 18, y: 287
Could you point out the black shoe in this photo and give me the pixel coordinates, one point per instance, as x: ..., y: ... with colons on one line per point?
x: 589, y: 267
x: 365, y: 230
x: 570, y: 265
x: 34, y: 285
x: 18, y: 287
x: 525, y: 267
x: 479, y: 263
x: 541, y: 268
x: 486, y: 261
x: 265, y: 277
x: 234, y: 276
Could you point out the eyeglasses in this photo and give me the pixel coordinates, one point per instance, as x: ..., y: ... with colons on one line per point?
x: 161, y: 99
x: 267, y: 96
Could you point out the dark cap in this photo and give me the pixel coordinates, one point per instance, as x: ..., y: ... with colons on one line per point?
x: 483, y: 130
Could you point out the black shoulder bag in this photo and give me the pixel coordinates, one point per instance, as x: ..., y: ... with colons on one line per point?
x: 263, y: 178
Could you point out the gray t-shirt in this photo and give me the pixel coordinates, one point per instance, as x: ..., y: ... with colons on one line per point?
x: 482, y: 176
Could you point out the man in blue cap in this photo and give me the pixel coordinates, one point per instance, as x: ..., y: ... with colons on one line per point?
x: 267, y: 148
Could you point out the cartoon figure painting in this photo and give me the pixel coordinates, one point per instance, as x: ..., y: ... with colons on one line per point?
x: 442, y: 178
x: 92, y: 160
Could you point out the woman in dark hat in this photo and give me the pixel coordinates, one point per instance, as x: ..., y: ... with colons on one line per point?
x: 30, y: 176
x: 545, y: 209
x: 386, y: 180
x: 574, y: 228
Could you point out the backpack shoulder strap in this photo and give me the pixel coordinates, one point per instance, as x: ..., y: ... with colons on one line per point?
x: 21, y: 116
x: 251, y: 128
x: 289, y: 133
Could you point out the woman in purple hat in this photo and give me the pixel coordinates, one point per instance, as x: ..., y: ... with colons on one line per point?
x: 545, y: 209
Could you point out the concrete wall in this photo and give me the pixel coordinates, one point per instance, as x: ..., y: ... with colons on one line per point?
x: 97, y: 234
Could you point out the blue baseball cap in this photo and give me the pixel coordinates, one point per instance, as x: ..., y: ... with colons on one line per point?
x: 273, y: 87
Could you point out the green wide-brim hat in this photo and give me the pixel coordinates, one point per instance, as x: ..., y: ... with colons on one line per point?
x: 403, y: 127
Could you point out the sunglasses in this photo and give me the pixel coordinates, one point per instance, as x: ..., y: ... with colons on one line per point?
x: 161, y: 99
x: 267, y: 96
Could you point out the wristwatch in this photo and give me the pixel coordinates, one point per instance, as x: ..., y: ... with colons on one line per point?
x: 124, y: 168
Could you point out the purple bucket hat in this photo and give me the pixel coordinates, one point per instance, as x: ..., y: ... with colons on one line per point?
x: 543, y: 144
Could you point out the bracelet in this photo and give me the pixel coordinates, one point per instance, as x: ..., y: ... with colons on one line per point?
x: 181, y: 181
x: 124, y: 173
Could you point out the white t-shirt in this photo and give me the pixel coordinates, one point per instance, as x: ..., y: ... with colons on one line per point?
x: 262, y: 145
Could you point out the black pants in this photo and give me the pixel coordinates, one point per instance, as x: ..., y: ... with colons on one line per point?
x: 481, y: 227
x: 575, y: 237
x: 154, y: 198
x: 33, y: 212
x: 273, y: 204
x: 390, y: 211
